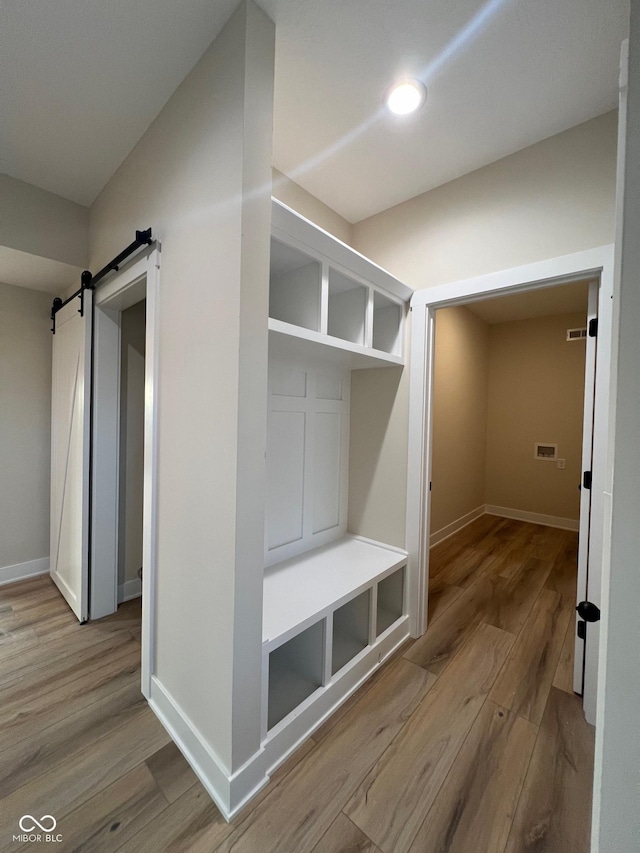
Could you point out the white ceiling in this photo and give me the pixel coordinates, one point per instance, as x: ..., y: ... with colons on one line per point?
x: 500, y: 75
x: 545, y: 302
x: 82, y: 80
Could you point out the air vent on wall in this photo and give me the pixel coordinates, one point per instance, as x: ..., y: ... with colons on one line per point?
x: 545, y: 451
x: 576, y: 334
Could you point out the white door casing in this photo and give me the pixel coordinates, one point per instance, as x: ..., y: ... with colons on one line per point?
x: 136, y: 280
x: 70, y: 440
x: 585, y: 493
x: 593, y: 264
x: 596, y: 573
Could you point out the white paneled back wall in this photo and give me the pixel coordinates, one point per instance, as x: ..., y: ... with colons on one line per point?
x: 307, y: 457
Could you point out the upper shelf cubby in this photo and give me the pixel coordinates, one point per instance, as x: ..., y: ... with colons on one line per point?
x: 387, y: 319
x: 295, y: 282
x: 325, y: 299
x: 347, y: 308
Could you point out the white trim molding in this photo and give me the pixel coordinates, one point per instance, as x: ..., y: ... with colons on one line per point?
x: 138, y: 279
x: 534, y: 517
x: 230, y: 792
x: 593, y: 264
x: 22, y: 571
x: 560, y: 270
x: 456, y: 525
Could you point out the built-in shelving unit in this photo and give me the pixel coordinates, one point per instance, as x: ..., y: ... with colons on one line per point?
x: 302, y: 589
x: 334, y: 603
x: 319, y: 615
x: 322, y: 293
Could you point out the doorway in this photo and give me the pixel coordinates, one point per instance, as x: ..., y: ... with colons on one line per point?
x: 594, y: 265
x: 507, y: 460
x: 131, y: 456
x: 123, y: 451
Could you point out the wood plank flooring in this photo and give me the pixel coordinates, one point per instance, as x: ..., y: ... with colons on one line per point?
x: 469, y: 739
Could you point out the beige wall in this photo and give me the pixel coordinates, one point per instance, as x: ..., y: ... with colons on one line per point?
x: 461, y: 384
x: 378, y: 399
x: 498, y: 389
x: 200, y: 177
x: 536, y: 393
x: 547, y: 200
x: 132, y: 358
x: 41, y: 223
x: 25, y: 424
x: 307, y: 205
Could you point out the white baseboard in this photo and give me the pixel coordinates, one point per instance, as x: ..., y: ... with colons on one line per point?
x: 129, y: 590
x: 533, y: 517
x: 454, y: 526
x: 22, y: 571
x: 230, y: 792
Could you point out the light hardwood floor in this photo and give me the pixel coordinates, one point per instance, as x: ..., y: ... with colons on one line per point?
x: 470, y: 740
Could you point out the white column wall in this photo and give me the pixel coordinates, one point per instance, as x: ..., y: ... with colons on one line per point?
x: 616, y: 807
x: 201, y: 178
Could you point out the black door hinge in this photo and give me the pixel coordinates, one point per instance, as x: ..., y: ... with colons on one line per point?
x: 588, y: 611
x: 582, y: 630
x: 593, y: 327
x: 586, y: 479
x: 429, y: 485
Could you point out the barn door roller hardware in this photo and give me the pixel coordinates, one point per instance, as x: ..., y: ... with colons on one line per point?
x: 90, y: 282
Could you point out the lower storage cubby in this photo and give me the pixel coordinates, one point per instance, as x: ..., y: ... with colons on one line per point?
x: 390, y: 600
x: 295, y: 672
x: 350, y: 630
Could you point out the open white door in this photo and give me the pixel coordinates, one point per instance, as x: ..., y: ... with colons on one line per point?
x: 70, y: 437
x: 585, y: 486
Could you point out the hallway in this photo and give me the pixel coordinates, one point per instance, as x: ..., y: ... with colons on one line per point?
x: 468, y: 739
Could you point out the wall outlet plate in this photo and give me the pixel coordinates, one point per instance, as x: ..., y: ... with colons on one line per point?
x: 561, y: 463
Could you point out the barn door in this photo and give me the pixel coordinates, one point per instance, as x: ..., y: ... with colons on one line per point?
x: 70, y: 435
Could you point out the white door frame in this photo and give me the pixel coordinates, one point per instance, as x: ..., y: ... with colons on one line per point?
x: 135, y: 281
x: 596, y: 264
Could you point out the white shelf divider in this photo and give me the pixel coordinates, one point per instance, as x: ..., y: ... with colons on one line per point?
x: 306, y: 588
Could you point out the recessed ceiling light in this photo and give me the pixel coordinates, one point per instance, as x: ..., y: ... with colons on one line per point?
x: 405, y: 97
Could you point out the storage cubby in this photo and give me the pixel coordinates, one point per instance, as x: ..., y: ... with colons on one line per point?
x: 294, y: 287
x: 331, y: 312
x: 387, y: 317
x: 350, y: 630
x: 295, y: 672
x: 347, y: 309
x: 390, y: 600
